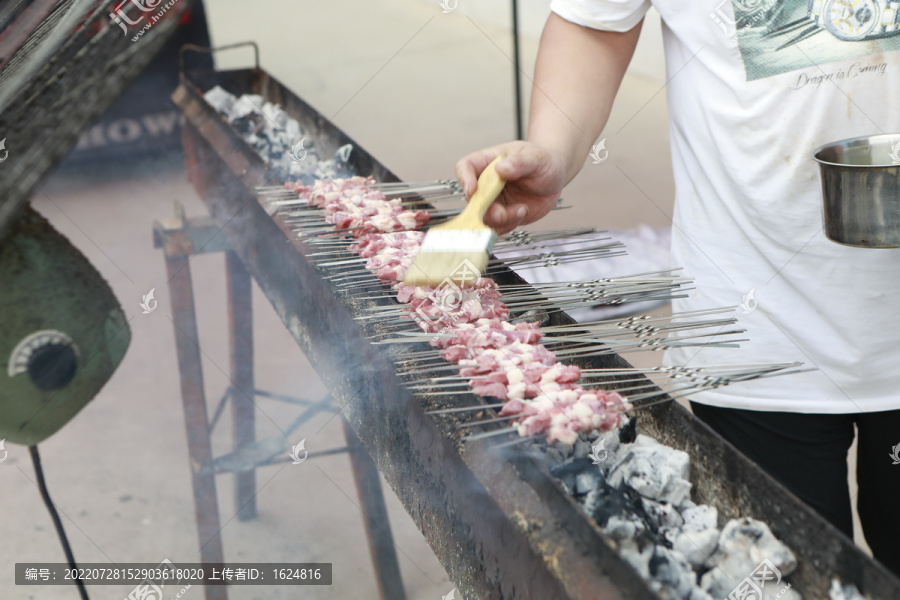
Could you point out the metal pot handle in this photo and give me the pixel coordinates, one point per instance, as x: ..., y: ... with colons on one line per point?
x: 209, y: 50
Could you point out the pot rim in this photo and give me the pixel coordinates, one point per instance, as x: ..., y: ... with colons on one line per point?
x: 875, y: 137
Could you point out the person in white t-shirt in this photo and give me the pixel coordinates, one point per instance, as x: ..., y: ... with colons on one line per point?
x: 754, y: 86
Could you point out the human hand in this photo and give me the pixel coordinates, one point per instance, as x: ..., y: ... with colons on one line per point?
x: 534, y: 177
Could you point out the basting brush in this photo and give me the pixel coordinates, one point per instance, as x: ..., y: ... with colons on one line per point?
x: 454, y: 249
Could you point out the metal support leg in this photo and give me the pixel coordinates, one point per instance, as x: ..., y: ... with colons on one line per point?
x: 181, y: 238
x: 206, y: 506
x: 375, y: 518
x: 240, y: 331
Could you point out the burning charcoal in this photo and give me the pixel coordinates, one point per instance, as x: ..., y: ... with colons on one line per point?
x: 605, y: 501
x: 566, y: 472
x: 743, y: 546
x: 672, y: 573
x: 628, y: 430
x: 220, y: 99
x: 654, y: 470
x: 248, y: 126
x: 846, y: 591
x: 554, y: 455
x: 699, y: 535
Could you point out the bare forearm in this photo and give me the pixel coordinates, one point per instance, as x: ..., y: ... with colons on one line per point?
x: 576, y: 79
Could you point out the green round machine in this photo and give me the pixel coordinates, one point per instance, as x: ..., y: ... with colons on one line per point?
x: 62, y: 331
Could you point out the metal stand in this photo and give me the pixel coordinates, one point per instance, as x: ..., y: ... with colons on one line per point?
x: 182, y: 238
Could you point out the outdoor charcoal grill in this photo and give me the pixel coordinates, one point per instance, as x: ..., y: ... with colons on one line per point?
x: 500, y: 524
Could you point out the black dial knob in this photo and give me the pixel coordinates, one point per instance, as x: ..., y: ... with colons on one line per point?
x: 53, y: 366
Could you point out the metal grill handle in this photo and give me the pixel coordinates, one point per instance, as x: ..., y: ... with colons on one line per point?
x: 209, y: 50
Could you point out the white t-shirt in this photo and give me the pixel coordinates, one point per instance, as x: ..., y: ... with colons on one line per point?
x: 748, y: 103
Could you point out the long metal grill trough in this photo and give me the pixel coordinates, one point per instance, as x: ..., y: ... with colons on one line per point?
x: 498, y: 521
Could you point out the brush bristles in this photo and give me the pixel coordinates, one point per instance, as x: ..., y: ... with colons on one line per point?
x: 434, y: 268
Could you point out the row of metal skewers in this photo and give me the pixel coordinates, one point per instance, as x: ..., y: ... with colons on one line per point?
x: 423, y: 368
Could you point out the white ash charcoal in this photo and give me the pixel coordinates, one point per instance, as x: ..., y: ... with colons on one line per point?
x: 698, y: 537
x: 293, y: 134
x: 588, y: 480
x: 272, y: 133
x: 639, y: 560
x: 306, y: 166
x: 653, y: 470
x: 246, y: 106
x: 662, y: 517
x: 672, y: 575
x: 846, y: 591
x: 743, y: 546
x: 277, y: 119
x: 220, y: 99
x: 700, y: 517
x: 780, y: 591
x: 699, y: 594
x: 605, y: 501
x: 624, y: 527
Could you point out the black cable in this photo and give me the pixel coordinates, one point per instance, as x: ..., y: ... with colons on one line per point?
x: 42, y: 485
x: 516, y: 65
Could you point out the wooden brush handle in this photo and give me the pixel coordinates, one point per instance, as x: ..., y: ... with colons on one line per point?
x: 489, y: 187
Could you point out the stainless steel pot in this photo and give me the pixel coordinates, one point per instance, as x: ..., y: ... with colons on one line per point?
x: 861, y: 188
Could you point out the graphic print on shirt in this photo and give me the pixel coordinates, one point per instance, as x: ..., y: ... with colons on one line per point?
x: 778, y: 36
